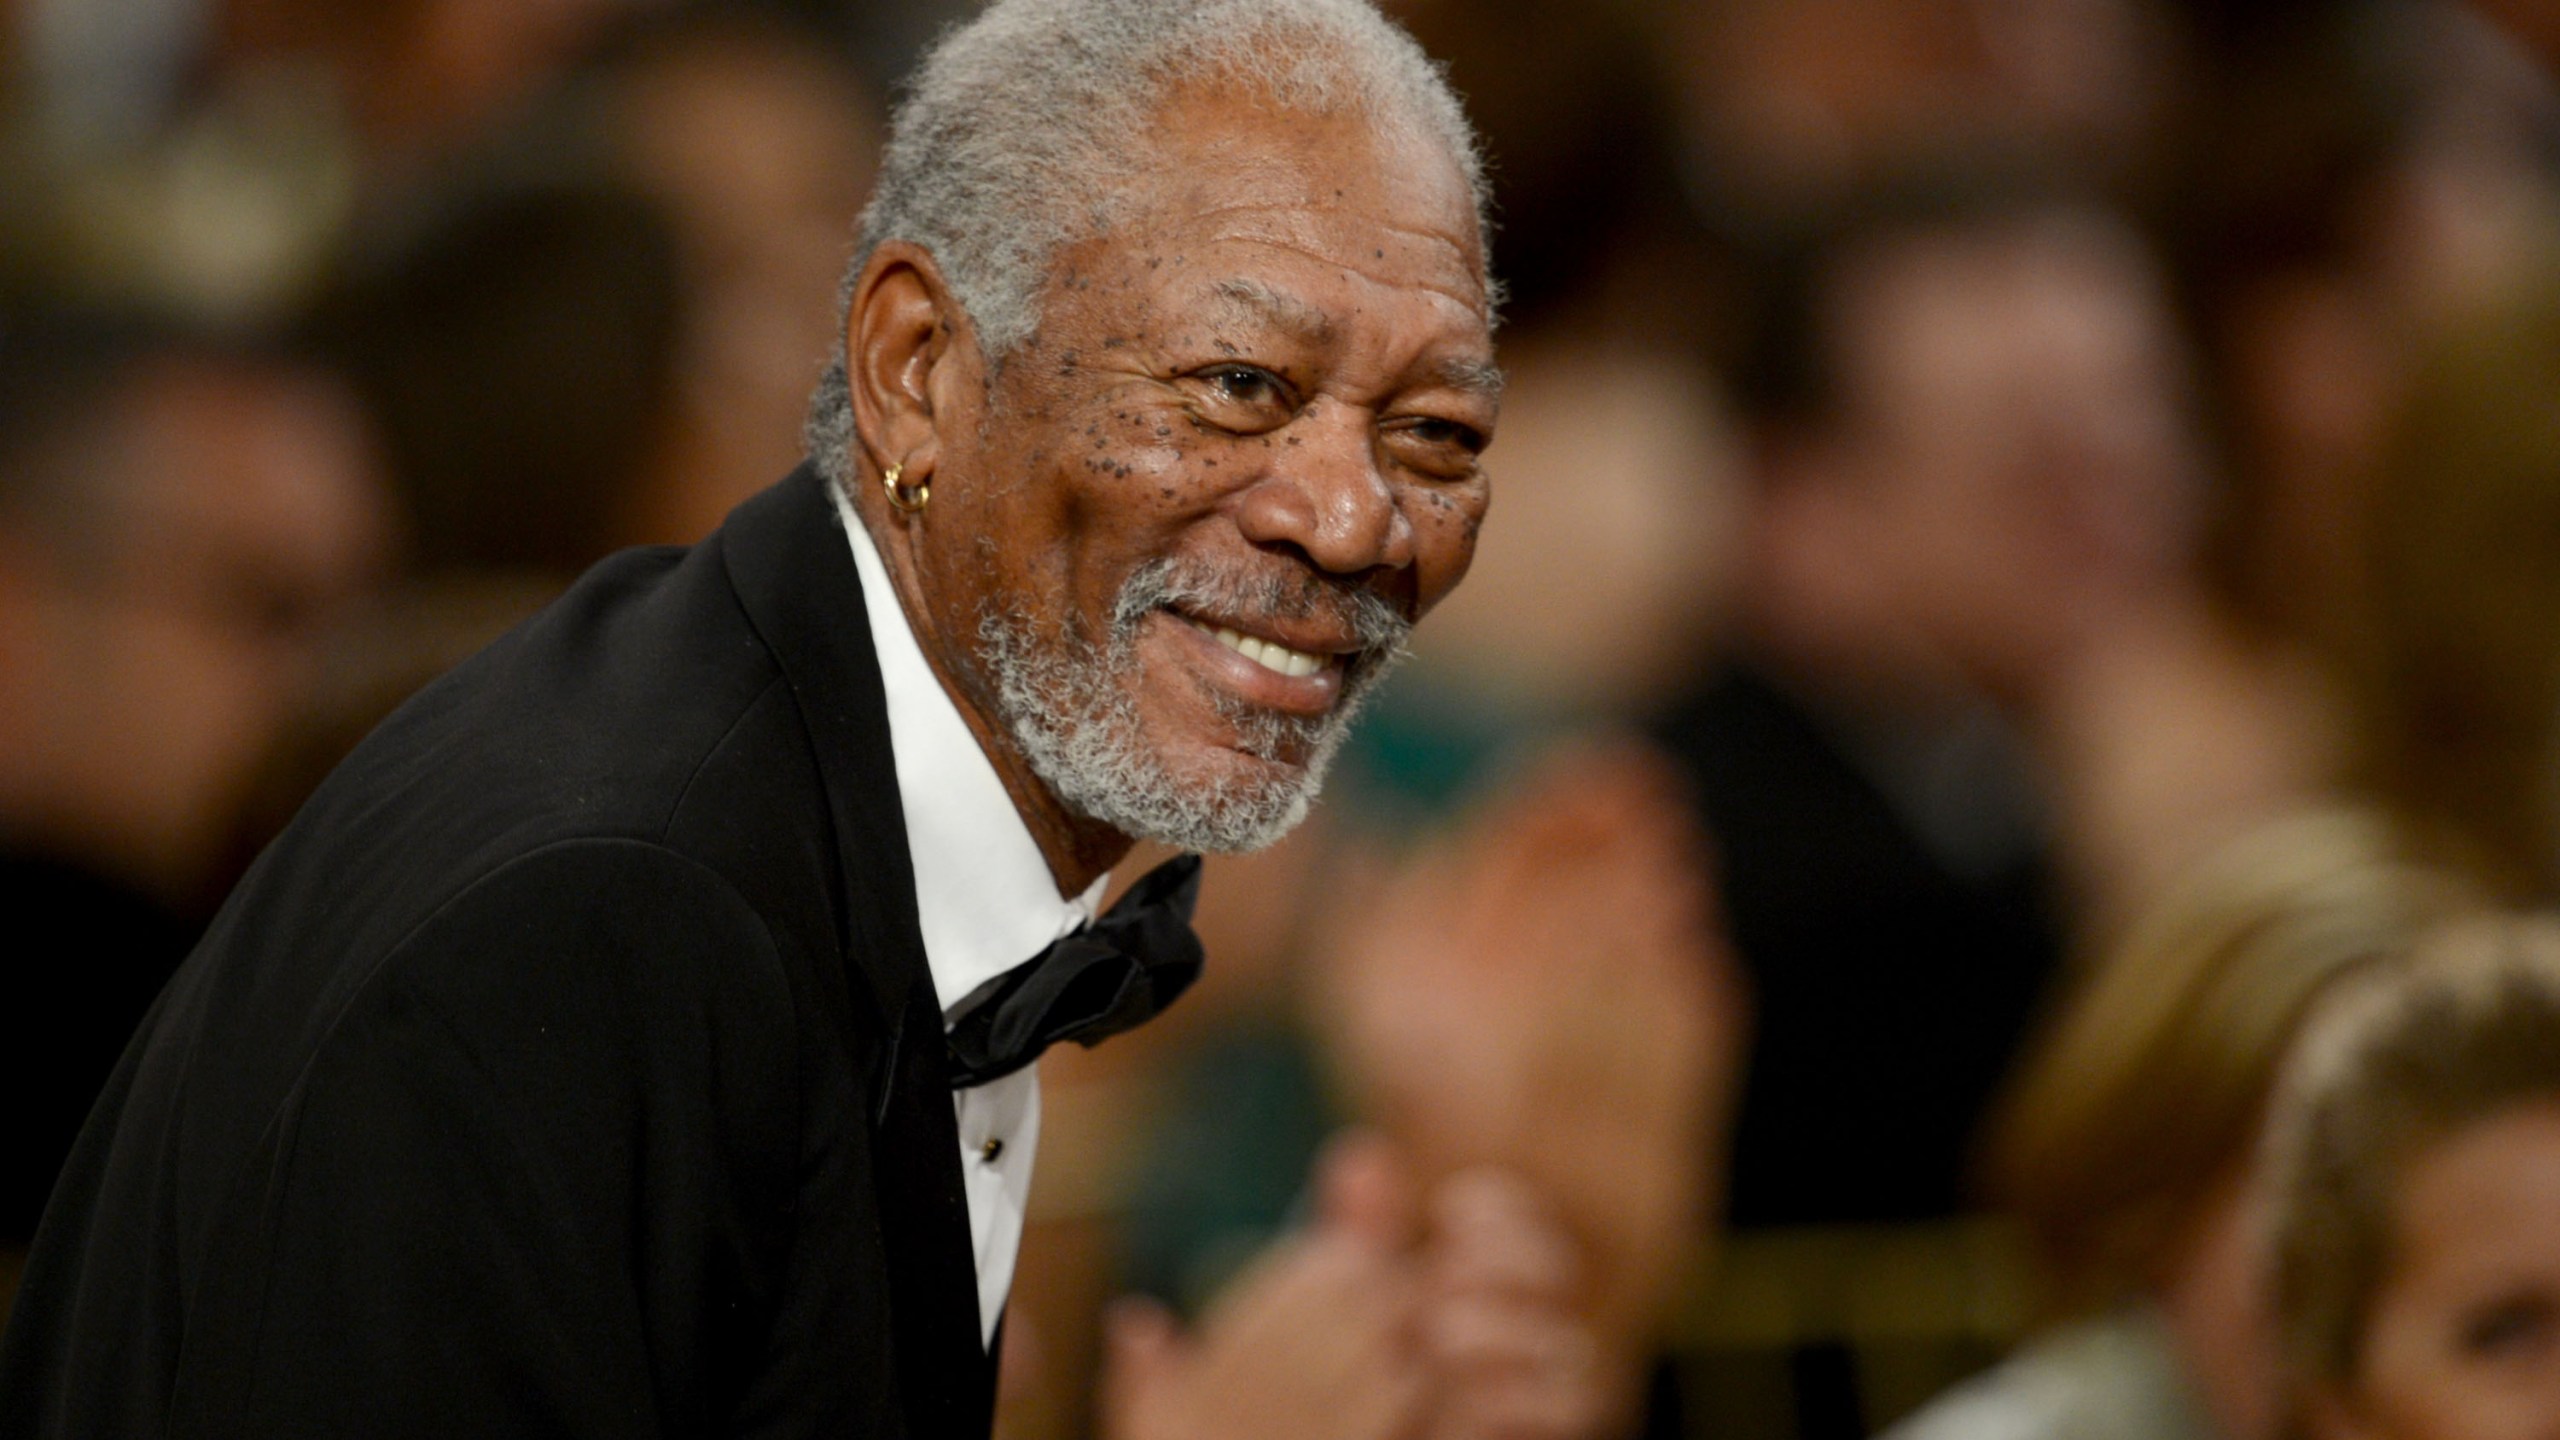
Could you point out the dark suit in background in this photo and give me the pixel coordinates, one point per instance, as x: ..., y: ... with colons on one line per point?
x: 1887, y: 885
x: 569, y: 1066
x: 1894, y: 968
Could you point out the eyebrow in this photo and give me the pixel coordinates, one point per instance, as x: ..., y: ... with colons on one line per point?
x: 1253, y: 300
x: 1476, y: 377
x: 1256, y: 300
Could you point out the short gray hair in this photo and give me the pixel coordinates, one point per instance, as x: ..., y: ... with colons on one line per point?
x: 1014, y: 138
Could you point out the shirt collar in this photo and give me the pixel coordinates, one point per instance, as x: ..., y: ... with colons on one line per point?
x: 985, y: 900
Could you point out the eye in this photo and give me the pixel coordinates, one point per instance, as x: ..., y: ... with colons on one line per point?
x: 1436, y: 446
x: 2511, y: 1326
x: 1432, y: 430
x: 1244, y: 398
x: 1247, y: 384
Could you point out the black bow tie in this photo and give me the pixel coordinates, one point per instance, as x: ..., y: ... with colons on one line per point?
x: 1114, y: 975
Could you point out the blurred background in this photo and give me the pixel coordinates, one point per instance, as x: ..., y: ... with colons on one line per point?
x: 1969, y: 464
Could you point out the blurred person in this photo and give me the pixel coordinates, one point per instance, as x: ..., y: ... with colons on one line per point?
x: 516, y: 343
x: 2415, y: 1179
x: 639, y: 1023
x: 213, y: 157
x: 407, y: 634
x: 519, y: 354
x: 1977, y: 710
x: 181, y: 522
x: 2358, y: 176
x: 1384, y: 1317
x: 1966, y: 455
x: 417, y: 81
x: 1578, y: 107
x: 1792, y: 108
x: 602, y: 332
x: 759, y: 145
x: 2455, y: 676
x: 1459, y: 1015
x: 2125, y: 1147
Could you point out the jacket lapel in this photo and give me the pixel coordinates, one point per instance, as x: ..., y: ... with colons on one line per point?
x: 790, y: 564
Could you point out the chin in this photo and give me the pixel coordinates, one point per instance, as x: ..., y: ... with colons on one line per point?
x: 1227, y: 801
x: 1182, y: 764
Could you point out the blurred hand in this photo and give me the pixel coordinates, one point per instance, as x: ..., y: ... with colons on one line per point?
x: 1548, y: 992
x: 1316, y: 1341
x: 1511, y: 1354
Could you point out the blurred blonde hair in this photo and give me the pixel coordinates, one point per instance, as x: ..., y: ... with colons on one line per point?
x: 2454, y: 683
x: 2395, y: 1062
x: 2149, y: 1088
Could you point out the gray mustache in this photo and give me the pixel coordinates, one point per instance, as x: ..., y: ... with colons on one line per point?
x: 1380, y: 630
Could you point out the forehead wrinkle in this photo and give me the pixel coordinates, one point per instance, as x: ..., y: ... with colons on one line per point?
x: 1292, y: 222
x: 1293, y: 208
x: 1461, y: 298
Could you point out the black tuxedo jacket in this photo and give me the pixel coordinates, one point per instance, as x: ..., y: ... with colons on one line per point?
x: 569, y: 1067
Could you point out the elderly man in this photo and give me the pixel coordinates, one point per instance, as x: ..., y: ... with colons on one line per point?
x: 580, y: 1061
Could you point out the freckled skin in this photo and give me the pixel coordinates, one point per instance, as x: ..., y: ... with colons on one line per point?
x: 1179, y: 387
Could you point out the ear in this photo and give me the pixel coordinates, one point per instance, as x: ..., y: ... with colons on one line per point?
x: 907, y: 342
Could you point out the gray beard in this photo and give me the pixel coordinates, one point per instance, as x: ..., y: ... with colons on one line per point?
x: 1071, y: 705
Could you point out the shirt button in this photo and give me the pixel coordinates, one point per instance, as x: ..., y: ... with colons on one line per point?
x: 993, y: 1148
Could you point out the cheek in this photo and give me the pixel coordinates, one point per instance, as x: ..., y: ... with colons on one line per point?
x: 1127, y: 480
x: 1445, y: 522
x: 2417, y: 1386
x: 1150, y: 456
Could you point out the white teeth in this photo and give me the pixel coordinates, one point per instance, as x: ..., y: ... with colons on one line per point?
x: 1270, y: 656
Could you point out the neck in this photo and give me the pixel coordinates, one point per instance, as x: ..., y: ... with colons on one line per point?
x: 1079, y: 850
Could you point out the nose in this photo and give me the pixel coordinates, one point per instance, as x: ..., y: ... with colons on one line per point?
x: 1326, y: 497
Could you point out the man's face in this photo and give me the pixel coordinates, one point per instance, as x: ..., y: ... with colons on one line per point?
x: 1238, y: 458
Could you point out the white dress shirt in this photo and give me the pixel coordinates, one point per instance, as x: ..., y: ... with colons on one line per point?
x: 985, y: 901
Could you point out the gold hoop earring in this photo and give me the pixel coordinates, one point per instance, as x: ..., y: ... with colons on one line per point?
x: 911, y: 499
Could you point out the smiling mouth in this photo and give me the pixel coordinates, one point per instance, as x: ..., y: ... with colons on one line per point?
x: 1269, y: 654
